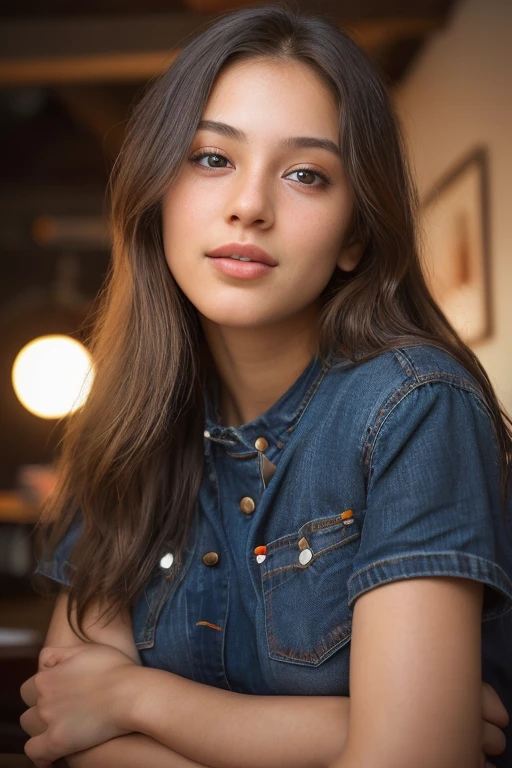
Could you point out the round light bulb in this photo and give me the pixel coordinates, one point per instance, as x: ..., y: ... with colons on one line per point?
x: 52, y: 376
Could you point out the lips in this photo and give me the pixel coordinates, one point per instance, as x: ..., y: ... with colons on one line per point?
x: 243, y: 249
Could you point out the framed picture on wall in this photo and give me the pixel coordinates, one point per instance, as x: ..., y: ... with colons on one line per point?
x: 456, y: 253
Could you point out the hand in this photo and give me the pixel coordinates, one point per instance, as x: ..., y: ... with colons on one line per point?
x: 495, y: 717
x: 75, y: 700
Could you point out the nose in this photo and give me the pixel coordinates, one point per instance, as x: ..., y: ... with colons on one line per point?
x: 249, y: 198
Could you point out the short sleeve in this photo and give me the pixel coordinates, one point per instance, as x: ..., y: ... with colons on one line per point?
x: 56, y: 565
x: 433, y: 505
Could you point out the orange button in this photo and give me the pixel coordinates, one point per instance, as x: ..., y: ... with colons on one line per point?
x: 260, y: 550
x: 346, y: 513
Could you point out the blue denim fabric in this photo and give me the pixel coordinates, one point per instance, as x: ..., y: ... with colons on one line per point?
x: 404, y: 441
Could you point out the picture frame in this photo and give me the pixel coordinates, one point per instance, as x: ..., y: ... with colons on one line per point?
x: 456, y: 252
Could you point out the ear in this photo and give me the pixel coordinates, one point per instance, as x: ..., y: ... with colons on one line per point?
x: 350, y: 256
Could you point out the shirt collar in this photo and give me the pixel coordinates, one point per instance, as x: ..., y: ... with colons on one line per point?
x: 277, y: 423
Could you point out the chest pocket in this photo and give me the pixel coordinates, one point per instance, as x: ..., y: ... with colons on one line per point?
x: 304, y: 580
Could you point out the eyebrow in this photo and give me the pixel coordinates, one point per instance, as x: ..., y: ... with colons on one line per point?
x: 291, y: 142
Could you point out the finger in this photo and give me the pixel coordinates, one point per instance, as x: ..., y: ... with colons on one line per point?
x: 493, y: 739
x: 32, y: 723
x: 28, y: 692
x: 49, y: 656
x: 36, y: 749
x: 493, y: 709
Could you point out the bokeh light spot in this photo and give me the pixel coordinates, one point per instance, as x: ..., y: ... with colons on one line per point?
x: 52, y: 376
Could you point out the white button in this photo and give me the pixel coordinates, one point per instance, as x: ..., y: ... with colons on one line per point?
x: 260, y: 558
x: 206, y: 433
x: 167, y: 560
x: 305, y: 556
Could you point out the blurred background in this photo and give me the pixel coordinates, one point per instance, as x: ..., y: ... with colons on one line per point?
x: 69, y: 74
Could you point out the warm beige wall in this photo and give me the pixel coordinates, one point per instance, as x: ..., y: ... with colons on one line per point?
x: 457, y: 95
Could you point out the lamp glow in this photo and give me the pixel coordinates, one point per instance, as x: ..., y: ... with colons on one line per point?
x: 52, y: 376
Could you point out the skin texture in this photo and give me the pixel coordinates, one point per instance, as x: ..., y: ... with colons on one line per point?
x: 261, y: 332
x: 412, y: 639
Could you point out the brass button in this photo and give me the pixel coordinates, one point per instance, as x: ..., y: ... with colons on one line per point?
x: 247, y: 505
x: 261, y: 444
x: 211, y: 558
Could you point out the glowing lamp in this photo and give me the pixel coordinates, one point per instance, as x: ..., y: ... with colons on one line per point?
x: 52, y: 376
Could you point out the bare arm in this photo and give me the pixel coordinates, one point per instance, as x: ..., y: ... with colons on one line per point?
x: 131, y: 751
x: 205, y: 725
x: 216, y: 727
x: 412, y: 641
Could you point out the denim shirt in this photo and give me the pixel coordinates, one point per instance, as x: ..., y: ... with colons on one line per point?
x: 359, y: 475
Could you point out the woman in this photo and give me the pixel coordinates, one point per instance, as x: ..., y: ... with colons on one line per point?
x: 266, y: 443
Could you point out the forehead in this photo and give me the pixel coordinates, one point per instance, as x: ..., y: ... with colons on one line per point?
x: 262, y: 95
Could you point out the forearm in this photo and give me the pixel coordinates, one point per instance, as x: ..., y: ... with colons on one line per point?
x: 222, y: 729
x: 131, y: 751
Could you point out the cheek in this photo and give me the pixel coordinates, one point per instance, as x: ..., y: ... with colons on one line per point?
x: 315, y: 242
x: 189, y: 202
x: 187, y: 216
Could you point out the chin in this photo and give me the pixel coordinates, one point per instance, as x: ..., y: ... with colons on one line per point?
x: 237, y: 318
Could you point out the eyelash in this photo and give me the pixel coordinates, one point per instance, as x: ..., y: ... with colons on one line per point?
x: 200, y: 155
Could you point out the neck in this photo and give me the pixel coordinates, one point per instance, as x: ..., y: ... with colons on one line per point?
x: 256, y: 366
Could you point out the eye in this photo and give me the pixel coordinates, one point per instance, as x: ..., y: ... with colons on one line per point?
x: 311, y: 172
x: 196, y: 158
x: 201, y: 155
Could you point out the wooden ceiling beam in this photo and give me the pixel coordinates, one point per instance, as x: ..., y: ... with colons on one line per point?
x: 91, y: 68
x: 81, y: 57
x: 373, y: 35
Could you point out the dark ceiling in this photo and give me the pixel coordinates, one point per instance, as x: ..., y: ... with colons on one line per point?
x: 69, y: 72
x: 347, y: 8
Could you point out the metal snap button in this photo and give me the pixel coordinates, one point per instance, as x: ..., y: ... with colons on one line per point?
x: 206, y: 433
x: 211, y: 558
x: 261, y: 444
x: 167, y: 560
x: 247, y: 505
x: 305, y: 556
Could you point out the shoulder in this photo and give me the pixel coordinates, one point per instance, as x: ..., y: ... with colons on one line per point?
x: 405, y: 367
x: 401, y: 385
x: 383, y: 380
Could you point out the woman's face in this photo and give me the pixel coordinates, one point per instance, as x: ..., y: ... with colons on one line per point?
x: 259, y: 191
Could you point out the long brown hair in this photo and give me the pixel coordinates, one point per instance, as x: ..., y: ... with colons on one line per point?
x: 132, y: 457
